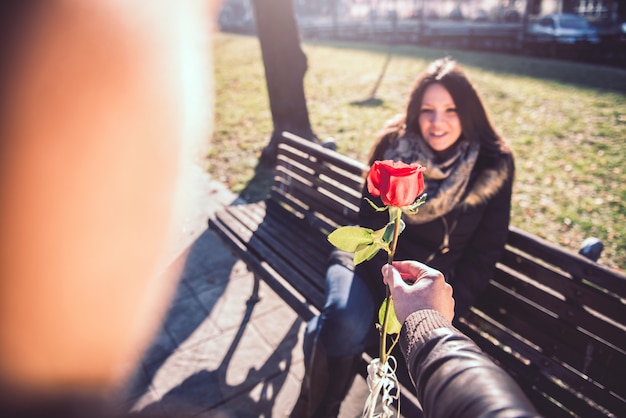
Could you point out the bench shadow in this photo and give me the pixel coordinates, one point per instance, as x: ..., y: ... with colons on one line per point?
x: 202, y: 281
x: 199, y: 394
x: 260, y: 185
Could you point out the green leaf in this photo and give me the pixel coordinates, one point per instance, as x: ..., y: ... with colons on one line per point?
x: 388, y: 235
x: 378, y: 239
x: 365, y: 252
x: 413, y: 208
x: 349, y: 238
x: 393, y: 325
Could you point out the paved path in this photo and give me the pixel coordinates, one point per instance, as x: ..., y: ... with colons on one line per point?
x: 225, y: 348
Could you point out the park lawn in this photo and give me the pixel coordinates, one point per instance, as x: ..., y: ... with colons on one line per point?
x: 565, y: 121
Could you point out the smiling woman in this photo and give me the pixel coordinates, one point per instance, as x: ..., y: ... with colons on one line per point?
x: 460, y: 230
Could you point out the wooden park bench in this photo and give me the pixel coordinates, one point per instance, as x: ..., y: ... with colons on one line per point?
x: 552, y: 318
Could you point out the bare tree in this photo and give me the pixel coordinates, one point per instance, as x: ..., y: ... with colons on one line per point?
x: 285, y: 66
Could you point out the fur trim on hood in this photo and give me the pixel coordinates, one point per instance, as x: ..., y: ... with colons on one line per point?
x: 490, y: 181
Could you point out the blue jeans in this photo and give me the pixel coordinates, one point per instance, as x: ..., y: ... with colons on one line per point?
x: 346, y: 324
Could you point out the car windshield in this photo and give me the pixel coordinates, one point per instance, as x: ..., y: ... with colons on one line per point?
x: 573, y: 23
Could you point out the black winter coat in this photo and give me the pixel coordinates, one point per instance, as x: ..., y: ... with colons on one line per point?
x: 477, y: 231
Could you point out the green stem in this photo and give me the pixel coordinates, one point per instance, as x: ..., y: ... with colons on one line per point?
x: 393, y: 344
x: 383, y: 334
x: 395, y: 214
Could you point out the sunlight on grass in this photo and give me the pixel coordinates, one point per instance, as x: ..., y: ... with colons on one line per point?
x: 566, y: 123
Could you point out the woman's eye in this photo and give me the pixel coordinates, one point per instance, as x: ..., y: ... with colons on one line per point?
x: 426, y: 111
x: 451, y: 110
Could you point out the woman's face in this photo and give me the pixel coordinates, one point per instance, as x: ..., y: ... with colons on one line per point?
x: 438, y: 119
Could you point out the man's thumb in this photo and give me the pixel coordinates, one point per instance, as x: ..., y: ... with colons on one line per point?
x: 387, y: 272
x: 391, y: 275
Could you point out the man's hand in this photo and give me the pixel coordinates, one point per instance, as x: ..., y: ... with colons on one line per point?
x: 429, y: 289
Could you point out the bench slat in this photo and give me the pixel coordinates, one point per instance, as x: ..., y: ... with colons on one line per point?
x: 607, y: 337
x: 533, y: 370
x: 315, y: 190
x: 287, y: 258
x: 315, y: 168
x: 314, y: 203
x: 575, y: 291
x: 261, y: 269
x: 303, y: 233
x: 572, y: 263
x: 259, y: 253
x: 319, y: 181
x: 535, y: 328
x: 555, y: 340
x: 282, y: 234
x: 341, y: 199
x: 341, y: 161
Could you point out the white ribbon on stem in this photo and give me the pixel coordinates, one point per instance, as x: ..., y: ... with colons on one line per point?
x: 381, y: 378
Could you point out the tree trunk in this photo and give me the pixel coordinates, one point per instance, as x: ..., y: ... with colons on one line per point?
x: 285, y: 65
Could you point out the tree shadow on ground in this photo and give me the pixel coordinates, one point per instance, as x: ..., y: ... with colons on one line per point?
x: 369, y: 102
x: 260, y: 185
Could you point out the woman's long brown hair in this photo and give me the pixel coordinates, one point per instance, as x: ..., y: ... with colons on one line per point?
x: 475, y: 122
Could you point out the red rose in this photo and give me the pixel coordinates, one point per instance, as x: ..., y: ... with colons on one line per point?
x: 398, y: 184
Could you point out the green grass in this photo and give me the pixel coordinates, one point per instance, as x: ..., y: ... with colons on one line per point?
x: 565, y: 121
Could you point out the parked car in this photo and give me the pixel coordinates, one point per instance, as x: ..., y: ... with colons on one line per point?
x: 556, y: 33
x: 562, y: 29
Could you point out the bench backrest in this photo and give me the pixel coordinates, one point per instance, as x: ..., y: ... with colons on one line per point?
x: 553, y: 319
x: 319, y: 184
x: 550, y: 317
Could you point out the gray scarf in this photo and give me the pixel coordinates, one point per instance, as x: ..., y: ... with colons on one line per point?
x: 445, y: 181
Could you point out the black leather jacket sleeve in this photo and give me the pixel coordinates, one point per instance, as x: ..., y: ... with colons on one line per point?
x: 453, y: 377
